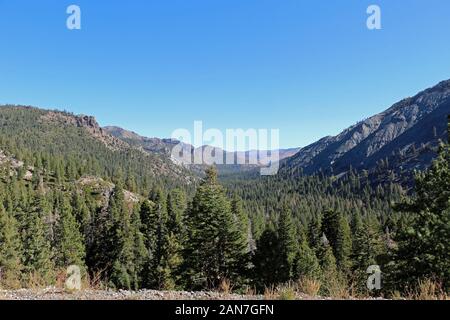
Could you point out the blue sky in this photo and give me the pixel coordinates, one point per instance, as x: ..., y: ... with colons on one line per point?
x: 309, y: 68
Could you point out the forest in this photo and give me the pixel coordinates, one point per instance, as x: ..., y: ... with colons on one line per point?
x: 68, y: 199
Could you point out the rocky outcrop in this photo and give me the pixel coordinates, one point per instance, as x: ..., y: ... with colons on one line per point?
x: 89, y: 123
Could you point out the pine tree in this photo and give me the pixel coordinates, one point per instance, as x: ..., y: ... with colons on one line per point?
x: 306, y: 262
x: 343, y: 246
x: 175, y: 238
x: 169, y: 264
x: 243, y: 237
x: 149, y: 220
x: 125, y: 271
x: 423, y: 242
x: 140, y: 251
x: 266, y: 259
x: 214, y: 248
x: 288, y: 246
x: 337, y: 231
x: 315, y: 233
x: 176, y: 209
x: 366, y: 249
x: 70, y: 248
x: 158, y: 270
x: 36, y: 246
x: 241, y: 218
x: 100, y: 245
x: 10, y: 249
x: 82, y: 214
x: 329, y: 273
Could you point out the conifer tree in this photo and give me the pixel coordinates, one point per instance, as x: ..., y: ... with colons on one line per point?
x: 149, y: 220
x: 337, y: 231
x: 125, y: 271
x: 215, y: 248
x: 306, y: 262
x: 343, y: 246
x: 288, y: 246
x: 315, y: 233
x: 140, y: 251
x: 158, y: 268
x: 70, y: 248
x: 266, y: 259
x: 241, y: 218
x: 326, y: 257
x: 176, y: 209
x: 82, y: 214
x: 366, y: 249
x: 36, y: 246
x: 10, y: 249
x: 330, y: 276
x: 175, y: 238
x: 424, y: 240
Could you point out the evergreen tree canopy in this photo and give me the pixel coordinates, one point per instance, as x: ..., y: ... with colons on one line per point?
x: 424, y: 241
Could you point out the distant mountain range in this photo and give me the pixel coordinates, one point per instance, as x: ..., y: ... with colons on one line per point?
x: 397, y: 141
x: 164, y: 147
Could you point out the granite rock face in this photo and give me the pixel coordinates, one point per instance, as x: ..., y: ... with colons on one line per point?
x: 406, y: 135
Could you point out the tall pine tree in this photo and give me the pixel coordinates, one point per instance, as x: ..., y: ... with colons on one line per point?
x: 423, y: 242
x: 10, y: 249
x: 288, y: 245
x: 215, y: 248
x: 36, y: 246
x: 70, y: 248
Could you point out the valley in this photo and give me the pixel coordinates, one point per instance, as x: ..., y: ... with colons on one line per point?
x: 116, y: 205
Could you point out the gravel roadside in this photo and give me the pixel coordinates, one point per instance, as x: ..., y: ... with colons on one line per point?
x: 59, y: 294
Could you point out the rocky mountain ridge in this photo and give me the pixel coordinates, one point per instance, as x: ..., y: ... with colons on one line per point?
x: 406, y: 134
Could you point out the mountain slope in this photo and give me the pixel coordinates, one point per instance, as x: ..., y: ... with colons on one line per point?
x: 164, y: 147
x: 404, y: 137
x: 27, y: 132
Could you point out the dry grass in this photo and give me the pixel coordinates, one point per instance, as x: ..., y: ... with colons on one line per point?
x: 34, y: 280
x: 287, y: 292
x: 282, y: 292
x: 335, y: 287
x: 249, y: 291
x: 270, y: 293
x: 60, y: 279
x: 94, y: 281
x: 428, y: 290
x: 225, y: 286
x: 8, y: 280
x: 308, y: 286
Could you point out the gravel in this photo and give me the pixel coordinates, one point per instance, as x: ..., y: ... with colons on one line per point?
x: 59, y: 294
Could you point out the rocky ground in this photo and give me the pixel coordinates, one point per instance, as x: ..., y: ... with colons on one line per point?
x: 59, y: 294
x: 53, y: 293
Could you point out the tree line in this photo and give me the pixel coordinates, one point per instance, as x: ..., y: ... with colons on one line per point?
x: 167, y: 240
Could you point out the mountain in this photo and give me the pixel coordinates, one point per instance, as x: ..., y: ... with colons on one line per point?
x: 401, y: 139
x: 151, y: 145
x: 52, y: 136
x: 164, y: 147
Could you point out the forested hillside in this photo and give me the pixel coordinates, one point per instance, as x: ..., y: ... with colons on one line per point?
x: 61, y: 142
x: 72, y: 194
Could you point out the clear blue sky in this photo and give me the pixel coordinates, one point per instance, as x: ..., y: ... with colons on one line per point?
x: 309, y: 68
